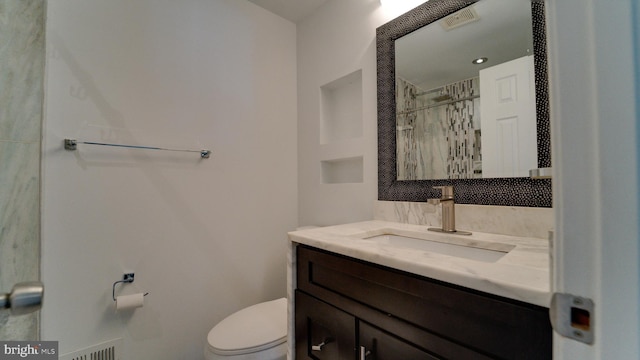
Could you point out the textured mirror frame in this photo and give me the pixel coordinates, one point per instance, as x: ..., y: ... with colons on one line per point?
x: 495, y: 191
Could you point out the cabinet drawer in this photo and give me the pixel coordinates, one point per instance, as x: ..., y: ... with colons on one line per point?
x: 487, y: 324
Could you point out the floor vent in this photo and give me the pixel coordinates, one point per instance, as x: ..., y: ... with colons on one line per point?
x: 462, y: 17
x: 110, y: 350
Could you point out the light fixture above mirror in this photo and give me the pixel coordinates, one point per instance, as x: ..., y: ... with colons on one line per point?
x: 397, y: 7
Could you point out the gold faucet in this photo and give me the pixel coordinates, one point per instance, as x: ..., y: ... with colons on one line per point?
x: 448, y: 211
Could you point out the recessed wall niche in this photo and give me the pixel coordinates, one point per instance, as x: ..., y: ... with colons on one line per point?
x: 341, y: 109
x: 342, y: 171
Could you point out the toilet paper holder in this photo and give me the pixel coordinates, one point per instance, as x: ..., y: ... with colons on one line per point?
x: 126, y: 278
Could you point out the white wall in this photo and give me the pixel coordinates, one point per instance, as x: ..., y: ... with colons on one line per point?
x: 204, y: 237
x: 337, y: 40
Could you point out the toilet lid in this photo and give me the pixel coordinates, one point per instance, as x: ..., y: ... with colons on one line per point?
x: 252, y: 329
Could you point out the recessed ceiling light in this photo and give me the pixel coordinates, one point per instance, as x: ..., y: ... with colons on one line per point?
x: 479, y: 61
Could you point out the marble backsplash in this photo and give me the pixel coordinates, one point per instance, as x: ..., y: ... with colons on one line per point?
x: 22, y: 57
x: 507, y: 220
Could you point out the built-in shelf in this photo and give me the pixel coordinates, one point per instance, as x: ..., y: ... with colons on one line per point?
x: 342, y: 171
x: 341, y: 109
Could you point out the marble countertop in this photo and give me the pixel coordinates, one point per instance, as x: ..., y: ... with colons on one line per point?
x: 522, y: 274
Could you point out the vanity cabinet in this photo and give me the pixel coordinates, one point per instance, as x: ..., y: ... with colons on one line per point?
x: 352, y: 309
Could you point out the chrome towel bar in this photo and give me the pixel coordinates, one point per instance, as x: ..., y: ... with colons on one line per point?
x: 72, y: 144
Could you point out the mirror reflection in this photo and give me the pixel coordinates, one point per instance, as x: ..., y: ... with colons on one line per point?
x: 465, y: 95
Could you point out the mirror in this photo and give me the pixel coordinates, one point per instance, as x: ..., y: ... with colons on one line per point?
x: 483, y: 51
x: 431, y: 104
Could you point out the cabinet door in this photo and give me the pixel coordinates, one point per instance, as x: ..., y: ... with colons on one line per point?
x: 376, y: 344
x: 322, y: 331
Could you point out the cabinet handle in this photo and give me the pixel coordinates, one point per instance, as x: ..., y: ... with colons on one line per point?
x: 323, y: 343
x: 318, y: 347
x: 364, y: 353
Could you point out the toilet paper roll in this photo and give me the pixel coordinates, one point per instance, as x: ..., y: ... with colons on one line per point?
x: 126, y: 302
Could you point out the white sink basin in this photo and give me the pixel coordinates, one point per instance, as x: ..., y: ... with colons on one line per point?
x: 474, y: 250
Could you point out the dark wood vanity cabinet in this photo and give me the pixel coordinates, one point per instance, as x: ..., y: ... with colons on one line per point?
x: 351, y: 309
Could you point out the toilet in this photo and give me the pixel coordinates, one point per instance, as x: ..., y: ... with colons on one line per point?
x: 258, y: 332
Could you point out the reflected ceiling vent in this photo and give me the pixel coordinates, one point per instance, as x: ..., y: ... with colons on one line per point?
x: 460, y: 18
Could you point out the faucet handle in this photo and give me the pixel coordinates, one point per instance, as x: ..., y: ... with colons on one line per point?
x: 447, y: 191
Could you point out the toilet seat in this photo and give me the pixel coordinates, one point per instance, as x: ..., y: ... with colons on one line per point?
x: 253, y: 329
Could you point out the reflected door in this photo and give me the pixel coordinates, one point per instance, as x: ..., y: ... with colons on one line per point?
x: 508, y: 116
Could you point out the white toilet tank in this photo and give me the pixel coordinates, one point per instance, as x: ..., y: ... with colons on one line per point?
x: 258, y: 332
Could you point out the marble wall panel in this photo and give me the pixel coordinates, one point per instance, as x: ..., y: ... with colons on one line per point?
x: 506, y: 220
x: 22, y: 57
